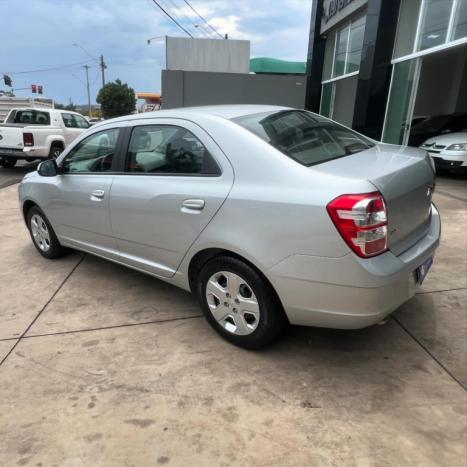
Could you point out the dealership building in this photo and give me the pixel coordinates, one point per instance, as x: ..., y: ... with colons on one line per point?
x: 379, y: 65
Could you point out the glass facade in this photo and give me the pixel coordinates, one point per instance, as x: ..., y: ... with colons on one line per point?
x: 460, y: 21
x: 434, y: 23
x: 422, y: 25
x: 437, y: 22
x: 407, y: 27
x: 398, y: 109
x: 354, y: 53
x: 341, y: 57
x: 348, y: 48
x: 326, y: 100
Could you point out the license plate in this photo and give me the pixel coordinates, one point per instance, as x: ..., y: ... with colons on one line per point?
x: 422, y: 270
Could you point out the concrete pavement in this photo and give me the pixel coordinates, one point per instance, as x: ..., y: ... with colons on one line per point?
x: 105, y: 366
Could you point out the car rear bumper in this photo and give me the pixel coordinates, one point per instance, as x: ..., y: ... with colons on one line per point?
x: 26, y: 153
x: 350, y: 292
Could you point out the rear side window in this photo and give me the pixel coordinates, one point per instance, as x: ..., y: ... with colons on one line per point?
x: 167, y: 149
x: 305, y: 137
x: 32, y: 117
x: 74, y: 121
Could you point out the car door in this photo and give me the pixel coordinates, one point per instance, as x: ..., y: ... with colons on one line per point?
x: 175, y: 179
x: 80, y: 208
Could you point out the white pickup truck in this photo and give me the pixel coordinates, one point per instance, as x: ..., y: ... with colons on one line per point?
x: 31, y: 134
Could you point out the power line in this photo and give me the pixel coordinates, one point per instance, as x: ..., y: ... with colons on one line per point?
x: 71, y: 65
x: 194, y: 11
x: 172, y: 18
x: 200, y: 29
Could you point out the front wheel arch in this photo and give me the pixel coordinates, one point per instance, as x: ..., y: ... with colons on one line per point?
x: 27, y: 205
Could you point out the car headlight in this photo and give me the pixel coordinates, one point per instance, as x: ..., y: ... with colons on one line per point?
x: 457, y: 147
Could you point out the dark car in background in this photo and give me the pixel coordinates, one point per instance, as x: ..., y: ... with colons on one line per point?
x: 436, y: 125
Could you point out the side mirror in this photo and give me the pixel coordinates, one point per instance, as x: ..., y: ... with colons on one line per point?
x: 47, y: 168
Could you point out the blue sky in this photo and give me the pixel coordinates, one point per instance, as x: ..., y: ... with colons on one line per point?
x: 38, y: 34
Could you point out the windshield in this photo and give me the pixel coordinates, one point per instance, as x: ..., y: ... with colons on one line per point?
x: 32, y: 117
x: 305, y: 137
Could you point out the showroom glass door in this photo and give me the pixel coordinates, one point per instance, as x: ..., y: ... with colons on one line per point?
x: 401, y: 101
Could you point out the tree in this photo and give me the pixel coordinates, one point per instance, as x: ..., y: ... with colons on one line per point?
x: 116, y: 99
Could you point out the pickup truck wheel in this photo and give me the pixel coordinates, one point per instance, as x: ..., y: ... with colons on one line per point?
x: 7, y: 162
x: 43, y: 235
x: 55, y: 151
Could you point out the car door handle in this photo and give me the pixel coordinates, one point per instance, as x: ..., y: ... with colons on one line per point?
x: 97, y: 195
x: 190, y: 205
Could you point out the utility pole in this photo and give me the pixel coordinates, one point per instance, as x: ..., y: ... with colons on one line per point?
x: 103, y: 67
x: 86, y: 67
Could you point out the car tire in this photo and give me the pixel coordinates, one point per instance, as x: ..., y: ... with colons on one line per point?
x: 8, y: 162
x: 42, y: 234
x: 55, y: 151
x: 239, y: 303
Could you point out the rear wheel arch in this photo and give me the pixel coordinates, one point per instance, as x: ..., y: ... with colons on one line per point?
x: 201, y: 258
x: 56, y: 148
x: 58, y: 143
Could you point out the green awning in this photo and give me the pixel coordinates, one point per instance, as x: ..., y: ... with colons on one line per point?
x: 273, y: 65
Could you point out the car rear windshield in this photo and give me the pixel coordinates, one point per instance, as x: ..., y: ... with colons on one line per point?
x: 305, y: 137
x: 32, y: 117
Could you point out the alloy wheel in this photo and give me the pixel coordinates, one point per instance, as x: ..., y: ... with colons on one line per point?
x: 40, y: 232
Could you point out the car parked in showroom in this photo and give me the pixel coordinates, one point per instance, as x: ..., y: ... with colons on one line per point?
x: 436, y: 125
x: 269, y: 215
x: 448, y: 151
x: 36, y: 134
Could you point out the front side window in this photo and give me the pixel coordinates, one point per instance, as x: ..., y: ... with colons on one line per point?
x: 80, y: 121
x: 32, y: 117
x: 168, y: 149
x: 305, y: 137
x: 94, y: 154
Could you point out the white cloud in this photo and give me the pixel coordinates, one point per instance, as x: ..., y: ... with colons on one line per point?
x: 119, y: 30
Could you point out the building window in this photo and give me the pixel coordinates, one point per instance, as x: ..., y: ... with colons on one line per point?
x: 327, y: 92
x: 348, y: 48
x: 340, y: 69
x: 460, y: 21
x: 424, y: 24
x: 434, y: 23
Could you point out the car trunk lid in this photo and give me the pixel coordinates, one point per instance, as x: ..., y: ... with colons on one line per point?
x: 404, y: 177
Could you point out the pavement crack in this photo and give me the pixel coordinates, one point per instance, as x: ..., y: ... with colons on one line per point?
x: 116, y: 326
x: 449, y: 195
x: 20, y: 338
x: 427, y: 350
x: 442, y: 290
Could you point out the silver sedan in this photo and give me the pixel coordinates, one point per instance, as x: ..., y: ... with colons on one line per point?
x: 269, y: 215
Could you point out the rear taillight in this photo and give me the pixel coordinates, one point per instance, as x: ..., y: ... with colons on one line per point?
x: 28, y: 139
x: 362, y: 221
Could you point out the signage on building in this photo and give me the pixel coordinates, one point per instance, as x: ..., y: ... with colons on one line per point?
x: 336, y: 11
x: 333, y: 7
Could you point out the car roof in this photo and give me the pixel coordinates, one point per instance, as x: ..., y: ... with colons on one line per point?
x: 222, y: 111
